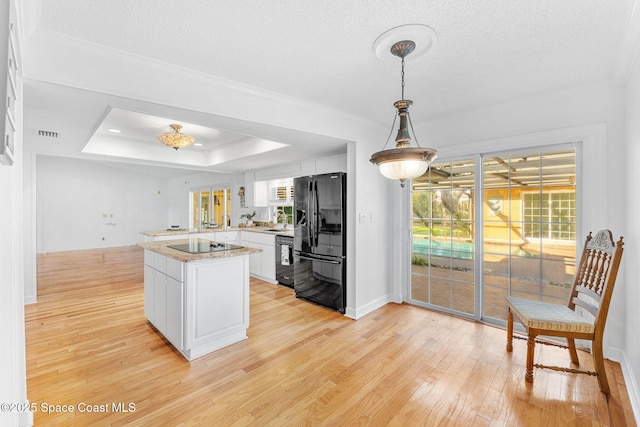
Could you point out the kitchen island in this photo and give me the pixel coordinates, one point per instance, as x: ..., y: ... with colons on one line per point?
x: 198, y: 301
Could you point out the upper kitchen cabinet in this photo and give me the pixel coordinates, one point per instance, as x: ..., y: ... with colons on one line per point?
x: 324, y: 165
x: 11, y: 90
x: 256, y: 183
x: 255, y: 192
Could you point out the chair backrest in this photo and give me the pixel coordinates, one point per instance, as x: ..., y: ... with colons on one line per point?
x: 596, y: 276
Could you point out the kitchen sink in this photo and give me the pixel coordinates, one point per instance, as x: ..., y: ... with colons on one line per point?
x: 276, y: 229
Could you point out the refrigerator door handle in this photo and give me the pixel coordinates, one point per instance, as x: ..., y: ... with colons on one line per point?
x: 316, y: 225
x: 310, y: 214
x: 319, y: 259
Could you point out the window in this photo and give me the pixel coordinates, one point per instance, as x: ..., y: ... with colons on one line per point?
x: 211, y: 206
x: 549, y: 215
x: 281, y: 200
x: 281, y: 193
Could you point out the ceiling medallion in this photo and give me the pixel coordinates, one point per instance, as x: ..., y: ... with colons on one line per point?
x: 423, y: 36
x: 403, y: 162
x: 176, y: 139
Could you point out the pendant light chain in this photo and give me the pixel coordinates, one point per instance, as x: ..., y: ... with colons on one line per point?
x: 402, y: 76
x: 415, y: 138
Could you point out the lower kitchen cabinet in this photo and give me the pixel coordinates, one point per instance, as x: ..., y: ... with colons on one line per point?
x: 149, y: 290
x: 160, y: 302
x: 255, y: 261
x: 232, y: 237
x: 228, y: 237
x: 174, y: 314
x: 261, y: 265
x: 268, y: 267
x: 169, y: 237
x: 163, y: 295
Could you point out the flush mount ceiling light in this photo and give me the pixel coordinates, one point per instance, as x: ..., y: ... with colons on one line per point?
x: 176, y: 139
x: 403, y: 162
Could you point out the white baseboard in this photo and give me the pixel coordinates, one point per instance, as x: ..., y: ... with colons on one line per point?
x: 356, y: 313
x: 632, y: 387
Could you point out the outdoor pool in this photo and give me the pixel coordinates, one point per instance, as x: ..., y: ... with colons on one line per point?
x: 461, y: 250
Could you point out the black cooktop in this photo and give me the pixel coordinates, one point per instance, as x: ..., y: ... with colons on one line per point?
x: 204, y: 247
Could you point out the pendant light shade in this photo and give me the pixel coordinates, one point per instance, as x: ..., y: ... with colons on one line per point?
x: 176, y: 139
x: 403, y: 162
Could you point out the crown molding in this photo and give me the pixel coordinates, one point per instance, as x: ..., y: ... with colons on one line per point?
x: 82, y: 50
x: 629, y: 50
x: 28, y: 17
x: 59, y: 59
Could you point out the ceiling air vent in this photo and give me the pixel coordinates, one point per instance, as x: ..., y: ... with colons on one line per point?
x: 48, y: 133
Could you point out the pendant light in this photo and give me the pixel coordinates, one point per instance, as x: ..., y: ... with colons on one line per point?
x: 403, y: 162
x: 176, y: 139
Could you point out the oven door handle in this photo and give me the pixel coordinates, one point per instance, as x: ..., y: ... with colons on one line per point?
x: 319, y: 259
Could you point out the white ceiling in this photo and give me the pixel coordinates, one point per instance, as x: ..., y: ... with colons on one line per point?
x: 486, y: 53
x: 129, y: 134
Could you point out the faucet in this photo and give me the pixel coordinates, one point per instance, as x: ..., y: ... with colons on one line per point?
x: 283, y: 214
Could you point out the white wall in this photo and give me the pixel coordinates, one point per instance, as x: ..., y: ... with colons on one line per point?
x: 631, y: 257
x: 74, y: 195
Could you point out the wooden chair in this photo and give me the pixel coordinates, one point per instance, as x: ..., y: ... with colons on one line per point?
x: 592, y: 289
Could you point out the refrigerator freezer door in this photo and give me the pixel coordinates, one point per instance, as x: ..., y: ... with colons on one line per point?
x: 320, y: 280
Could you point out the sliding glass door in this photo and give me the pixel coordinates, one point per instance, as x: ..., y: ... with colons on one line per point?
x: 491, y: 226
x: 529, y: 227
x: 443, y: 237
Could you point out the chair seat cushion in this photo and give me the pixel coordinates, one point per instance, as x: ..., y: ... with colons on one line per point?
x: 552, y: 317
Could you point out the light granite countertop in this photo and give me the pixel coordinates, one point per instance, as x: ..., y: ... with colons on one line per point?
x: 253, y: 229
x: 162, y: 247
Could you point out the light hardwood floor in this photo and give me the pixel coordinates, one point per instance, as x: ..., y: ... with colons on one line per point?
x: 88, y: 343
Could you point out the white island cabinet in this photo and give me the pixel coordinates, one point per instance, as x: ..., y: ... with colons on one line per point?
x: 199, y: 302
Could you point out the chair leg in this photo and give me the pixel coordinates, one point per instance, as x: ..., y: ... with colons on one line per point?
x: 571, y: 343
x: 509, y: 330
x: 598, y: 362
x: 531, y: 342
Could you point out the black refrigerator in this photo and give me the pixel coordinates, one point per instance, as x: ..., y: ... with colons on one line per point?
x: 319, y: 257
